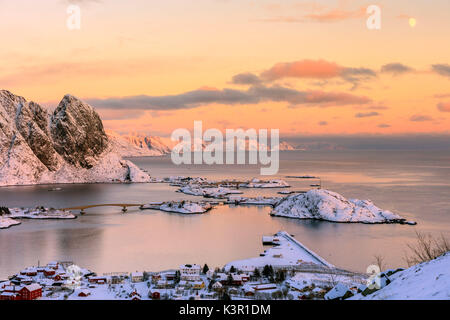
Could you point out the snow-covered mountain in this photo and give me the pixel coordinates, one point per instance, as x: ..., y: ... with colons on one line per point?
x: 425, y: 281
x: 137, y: 145
x: 327, y: 205
x: 67, y: 146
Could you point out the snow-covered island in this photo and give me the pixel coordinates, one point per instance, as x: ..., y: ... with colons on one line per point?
x: 9, y: 216
x: 257, y: 183
x: 326, y: 205
x: 183, y: 207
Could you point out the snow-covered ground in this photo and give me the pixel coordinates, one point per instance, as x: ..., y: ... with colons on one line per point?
x: 258, y: 201
x: 425, y: 281
x: 208, y: 192
x: 287, y: 253
x: 256, y: 183
x: 6, y: 222
x: 186, y: 207
x: 9, y: 219
x: 330, y: 206
x: 40, y: 213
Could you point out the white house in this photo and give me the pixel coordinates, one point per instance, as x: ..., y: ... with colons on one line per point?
x: 190, y: 272
x: 137, y: 276
x: 217, y: 286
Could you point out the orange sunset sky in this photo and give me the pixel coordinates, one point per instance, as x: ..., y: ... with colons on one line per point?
x: 305, y: 67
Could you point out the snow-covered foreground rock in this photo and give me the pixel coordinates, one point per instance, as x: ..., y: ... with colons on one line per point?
x: 330, y: 206
x: 425, y: 281
x: 68, y: 146
x: 6, y: 222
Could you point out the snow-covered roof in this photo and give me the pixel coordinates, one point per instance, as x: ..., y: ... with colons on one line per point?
x: 33, y: 287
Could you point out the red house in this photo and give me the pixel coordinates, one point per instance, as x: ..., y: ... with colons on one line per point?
x: 48, y: 272
x: 156, y: 295
x: 31, y: 292
x: 11, y: 296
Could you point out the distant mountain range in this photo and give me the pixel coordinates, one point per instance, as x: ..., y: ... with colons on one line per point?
x: 140, y: 145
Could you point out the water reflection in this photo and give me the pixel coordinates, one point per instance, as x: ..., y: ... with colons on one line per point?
x: 107, y: 240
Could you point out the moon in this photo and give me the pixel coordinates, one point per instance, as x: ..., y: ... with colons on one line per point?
x: 412, y: 22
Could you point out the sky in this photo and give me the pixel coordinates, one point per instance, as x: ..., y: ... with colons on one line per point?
x: 308, y: 68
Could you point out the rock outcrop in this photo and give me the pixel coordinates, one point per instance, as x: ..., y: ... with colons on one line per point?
x: 68, y: 146
x: 326, y: 205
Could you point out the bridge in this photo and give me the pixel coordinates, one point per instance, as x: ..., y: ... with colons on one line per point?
x: 124, y: 206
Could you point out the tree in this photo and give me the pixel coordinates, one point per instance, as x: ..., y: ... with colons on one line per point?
x: 177, y: 277
x: 256, y: 273
x: 267, y: 271
x: 205, y: 268
x: 280, y: 276
x: 232, y: 269
x: 230, y: 279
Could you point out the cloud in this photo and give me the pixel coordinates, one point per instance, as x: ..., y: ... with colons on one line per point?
x: 366, y: 114
x: 442, y: 69
x: 384, y: 125
x: 323, y: 123
x: 246, y: 79
x: 253, y: 95
x: 336, y: 15
x: 396, y: 69
x: 420, y: 118
x: 444, y: 106
x: 316, y: 69
x: 321, y: 15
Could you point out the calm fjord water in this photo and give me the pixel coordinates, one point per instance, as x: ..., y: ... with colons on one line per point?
x: 414, y: 184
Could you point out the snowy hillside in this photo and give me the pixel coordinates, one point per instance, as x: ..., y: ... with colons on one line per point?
x: 425, y: 281
x: 137, y: 145
x: 327, y: 205
x: 68, y: 146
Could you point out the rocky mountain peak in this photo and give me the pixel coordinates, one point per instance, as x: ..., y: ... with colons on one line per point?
x: 77, y: 132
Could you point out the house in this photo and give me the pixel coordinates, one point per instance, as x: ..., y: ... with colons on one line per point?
x: 190, y: 272
x: 115, y: 279
x: 222, y: 278
x: 245, y: 277
x: 156, y: 277
x: 155, y: 295
x: 49, y: 272
x: 198, y: 285
x: 170, y: 275
x: 137, y: 276
x: 161, y: 284
x: 265, y: 287
x: 97, y: 280
x: 10, y: 296
x: 217, y: 286
x: 210, y: 274
x: 84, y: 293
x: 135, y: 296
x: 53, y: 265
x: 236, y: 280
x: 31, y: 292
